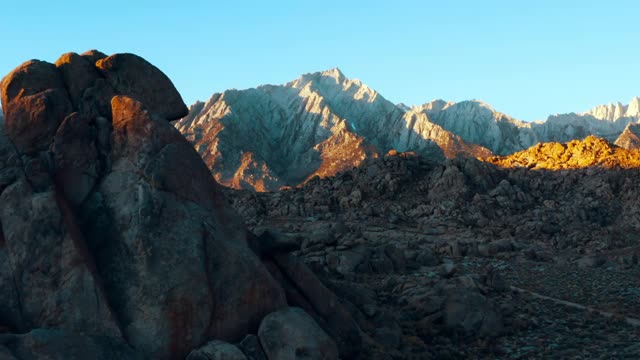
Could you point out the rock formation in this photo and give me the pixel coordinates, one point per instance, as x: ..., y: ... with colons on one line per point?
x: 460, y: 257
x: 114, y: 237
x: 576, y: 154
x: 630, y: 137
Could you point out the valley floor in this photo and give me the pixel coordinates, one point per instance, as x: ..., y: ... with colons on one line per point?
x: 406, y: 311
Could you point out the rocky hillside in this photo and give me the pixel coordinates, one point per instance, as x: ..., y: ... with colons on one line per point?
x: 324, y: 123
x: 460, y: 257
x: 560, y: 205
x: 576, y: 154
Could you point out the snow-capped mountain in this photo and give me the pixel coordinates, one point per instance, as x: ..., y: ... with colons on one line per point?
x: 319, y: 124
x: 322, y: 123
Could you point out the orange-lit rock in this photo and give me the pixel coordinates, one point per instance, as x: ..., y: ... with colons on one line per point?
x: 576, y: 154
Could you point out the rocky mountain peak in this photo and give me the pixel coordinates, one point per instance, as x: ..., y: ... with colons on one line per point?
x: 334, y: 73
x: 614, y: 112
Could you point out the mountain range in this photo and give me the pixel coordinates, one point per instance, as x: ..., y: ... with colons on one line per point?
x: 323, y: 123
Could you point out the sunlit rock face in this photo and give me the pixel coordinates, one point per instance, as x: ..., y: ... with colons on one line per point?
x: 319, y: 124
x: 576, y: 154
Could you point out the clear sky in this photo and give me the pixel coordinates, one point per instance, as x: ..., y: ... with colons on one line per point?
x: 528, y: 59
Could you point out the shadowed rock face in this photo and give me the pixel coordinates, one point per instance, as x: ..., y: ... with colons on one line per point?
x: 101, y: 232
x: 114, y: 236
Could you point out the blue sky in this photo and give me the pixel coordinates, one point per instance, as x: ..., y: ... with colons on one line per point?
x: 528, y: 59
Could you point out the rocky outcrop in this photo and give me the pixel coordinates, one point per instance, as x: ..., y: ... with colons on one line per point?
x: 630, y: 137
x: 101, y: 236
x: 292, y: 334
x: 613, y: 112
x: 576, y: 154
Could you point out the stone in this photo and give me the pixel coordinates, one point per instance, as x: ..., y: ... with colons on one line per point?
x: 251, y: 348
x: 93, y: 56
x: 59, y: 344
x: 590, y: 261
x: 190, y: 274
x: 32, y: 120
x: 337, y: 321
x: 270, y: 240
x: 35, y: 101
x: 217, y: 350
x: 51, y: 274
x: 426, y: 257
x: 469, y: 312
x: 133, y: 76
x: 76, y: 158
x: 96, y: 100
x: 291, y: 333
x: 397, y: 257
x: 78, y: 74
x: 349, y: 261
x: 30, y: 78
x: 448, y: 269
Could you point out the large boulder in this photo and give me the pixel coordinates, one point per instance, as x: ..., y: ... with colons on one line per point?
x: 114, y: 235
x: 176, y: 262
x: 305, y: 290
x: 78, y: 74
x: 30, y: 78
x: 132, y: 75
x: 217, y: 350
x: 93, y: 55
x: 470, y: 313
x: 50, y: 275
x: 35, y: 101
x: 291, y: 334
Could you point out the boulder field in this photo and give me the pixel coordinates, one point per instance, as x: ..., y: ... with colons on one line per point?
x: 117, y: 243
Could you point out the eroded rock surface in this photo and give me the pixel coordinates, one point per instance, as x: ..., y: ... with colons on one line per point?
x: 111, y: 225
